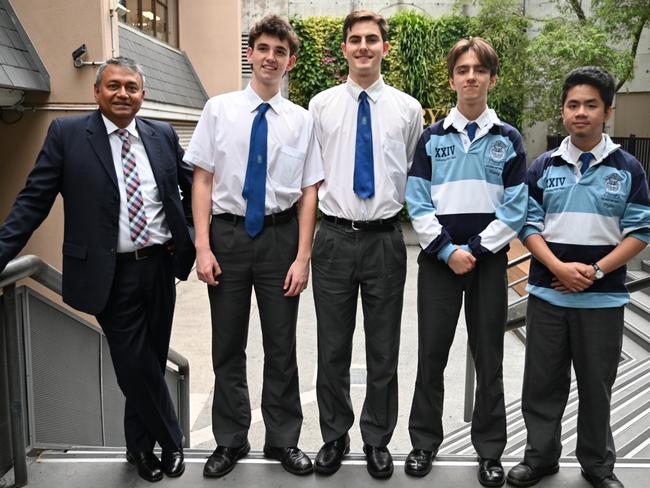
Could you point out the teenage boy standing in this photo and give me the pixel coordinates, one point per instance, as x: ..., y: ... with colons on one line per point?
x: 254, y: 193
x: 367, y: 131
x: 588, y: 215
x: 467, y: 199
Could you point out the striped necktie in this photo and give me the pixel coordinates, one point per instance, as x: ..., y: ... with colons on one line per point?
x: 138, y: 229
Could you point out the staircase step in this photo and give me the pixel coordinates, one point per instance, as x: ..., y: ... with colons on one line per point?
x: 645, y: 265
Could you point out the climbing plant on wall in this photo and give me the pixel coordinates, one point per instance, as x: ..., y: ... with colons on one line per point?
x: 416, y: 61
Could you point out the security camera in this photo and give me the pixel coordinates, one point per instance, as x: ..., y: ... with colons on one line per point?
x: 77, y: 54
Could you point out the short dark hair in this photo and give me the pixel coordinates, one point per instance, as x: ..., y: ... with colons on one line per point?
x: 362, y: 16
x: 483, y: 50
x: 122, y: 61
x: 594, y: 76
x: 276, y: 26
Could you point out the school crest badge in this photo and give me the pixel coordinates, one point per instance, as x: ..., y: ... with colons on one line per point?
x: 498, y: 151
x: 613, y: 183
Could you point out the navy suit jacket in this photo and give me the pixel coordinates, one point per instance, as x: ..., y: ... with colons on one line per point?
x: 76, y: 162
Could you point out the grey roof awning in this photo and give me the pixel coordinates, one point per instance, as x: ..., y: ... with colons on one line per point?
x: 169, y: 75
x: 20, y: 66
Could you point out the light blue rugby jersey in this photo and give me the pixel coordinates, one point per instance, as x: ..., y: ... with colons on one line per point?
x: 583, y: 219
x: 476, y: 199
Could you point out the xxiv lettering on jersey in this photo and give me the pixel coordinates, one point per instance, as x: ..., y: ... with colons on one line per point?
x: 444, y: 152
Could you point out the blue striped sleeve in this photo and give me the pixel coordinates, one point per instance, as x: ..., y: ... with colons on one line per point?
x: 510, y: 214
x: 636, y: 217
x: 431, y: 235
x: 535, y: 214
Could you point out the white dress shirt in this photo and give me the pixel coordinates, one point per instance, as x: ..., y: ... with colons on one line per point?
x: 396, y: 127
x: 221, y: 141
x: 485, y: 121
x: 153, y: 208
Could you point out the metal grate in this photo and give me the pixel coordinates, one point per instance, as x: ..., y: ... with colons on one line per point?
x: 245, y: 67
x: 5, y: 432
x: 64, y: 370
x: 73, y: 396
x: 184, y: 131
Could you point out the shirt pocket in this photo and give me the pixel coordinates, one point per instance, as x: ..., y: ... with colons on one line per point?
x: 287, y: 170
x: 396, y: 163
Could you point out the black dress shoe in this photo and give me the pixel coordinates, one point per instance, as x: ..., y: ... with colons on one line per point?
x: 418, y: 462
x: 610, y: 481
x: 223, y: 460
x: 328, y: 459
x: 293, y: 459
x: 172, y: 463
x: 380, y: 462
x: 147, y: 463
x: 524, y: 475
x: 490, y: 472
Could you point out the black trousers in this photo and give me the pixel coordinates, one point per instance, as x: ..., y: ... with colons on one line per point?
x: 344, y: 262
x: 440, y: 296
x: 137, y: 322
x: 261, y: 264
x: 591, y: 338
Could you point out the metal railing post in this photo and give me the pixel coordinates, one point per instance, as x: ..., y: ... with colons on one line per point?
x: 184, y: 392
x: 470, y: 374
x: 15, y: 391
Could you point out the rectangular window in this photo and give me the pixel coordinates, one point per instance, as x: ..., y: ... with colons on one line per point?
x: 157, y: 18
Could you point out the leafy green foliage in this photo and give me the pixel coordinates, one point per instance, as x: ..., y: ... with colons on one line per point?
x: 320, y: 63
x: 560, y: 47
x: 531, y: 72
x: 416, y: 62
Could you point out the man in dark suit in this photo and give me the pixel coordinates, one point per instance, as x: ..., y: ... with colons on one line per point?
x: 126, y: 237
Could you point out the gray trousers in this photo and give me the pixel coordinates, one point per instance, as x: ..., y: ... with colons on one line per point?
x: 591, y: 338
x: 345, y: 262
x: 440, y: 296
x: 261, y: 263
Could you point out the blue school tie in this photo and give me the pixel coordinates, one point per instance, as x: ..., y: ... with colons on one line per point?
x: 585, y: 158
x: 364, y: 170
x: 255, y: 183
x: 472, y: 127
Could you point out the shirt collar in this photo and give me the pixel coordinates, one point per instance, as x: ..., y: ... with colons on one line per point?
x: 571, y: 153
x: 111, y: 127
x: 485, y: 121
x: 373, y: 91
x: 253, y: 100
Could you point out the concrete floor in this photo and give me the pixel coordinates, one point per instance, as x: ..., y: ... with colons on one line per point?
x: 104, y: 470
x: 192, y: 338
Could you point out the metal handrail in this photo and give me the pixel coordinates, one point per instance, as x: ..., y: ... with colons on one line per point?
x: 518, y: 319
x: 35, y: 268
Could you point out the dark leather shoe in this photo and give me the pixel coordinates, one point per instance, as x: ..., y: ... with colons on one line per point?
x: 524, y: 475
x: 418, y: 462
x: 172, y: 463
x: 490, y: 472
x: 328, y: 459
x: 610, y: 481
x: 380, y: 462
x: 293, y: 459
x: 223, y: 460
x: 147, y: 463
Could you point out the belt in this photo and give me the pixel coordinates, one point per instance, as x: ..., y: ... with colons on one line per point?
x: 145, y: 252
x: 272, y: 219
x: 381, y: 225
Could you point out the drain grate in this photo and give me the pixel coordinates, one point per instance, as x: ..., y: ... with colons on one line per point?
x: 357, y: 376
